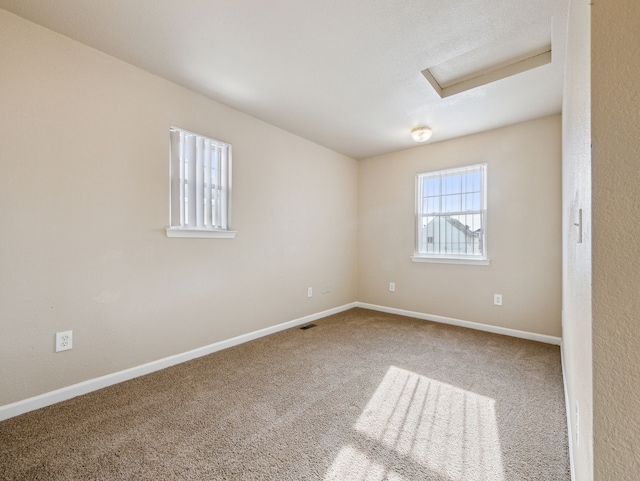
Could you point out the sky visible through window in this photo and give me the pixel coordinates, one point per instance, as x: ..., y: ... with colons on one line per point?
x: 453, y: 193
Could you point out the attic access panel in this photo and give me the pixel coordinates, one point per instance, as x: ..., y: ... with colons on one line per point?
x: 491, y: 62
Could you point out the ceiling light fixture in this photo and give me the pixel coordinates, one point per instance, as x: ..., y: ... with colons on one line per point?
x: 421, y: 134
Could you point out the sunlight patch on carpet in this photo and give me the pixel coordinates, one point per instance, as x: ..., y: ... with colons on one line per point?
x: 433, y: 425
x: 354, y: 465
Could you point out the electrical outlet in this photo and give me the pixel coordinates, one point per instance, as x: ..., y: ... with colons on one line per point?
x: 309, y: 291
x: 64, y: 341
x: 497, y: 299
x: 326, y: 288
x: 392, y: 286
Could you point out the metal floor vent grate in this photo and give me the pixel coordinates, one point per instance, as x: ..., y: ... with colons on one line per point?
x: 308, y: 326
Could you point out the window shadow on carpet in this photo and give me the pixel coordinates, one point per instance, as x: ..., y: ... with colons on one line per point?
x: 426, y: 426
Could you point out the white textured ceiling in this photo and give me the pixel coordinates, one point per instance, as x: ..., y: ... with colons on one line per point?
x: 345, y: 74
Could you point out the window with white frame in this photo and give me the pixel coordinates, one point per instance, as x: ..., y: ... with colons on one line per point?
x: 451, y: 211
x: 200, y: 186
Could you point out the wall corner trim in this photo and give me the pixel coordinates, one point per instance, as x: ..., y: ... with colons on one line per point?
x: 568, y: 408
x: 47, y: 399
x: 532, y: 336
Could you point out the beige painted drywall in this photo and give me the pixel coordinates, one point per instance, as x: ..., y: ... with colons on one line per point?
x: 523, y: 231
x: 576, y: 286
x: 84, y: 200
x: 615, y: 75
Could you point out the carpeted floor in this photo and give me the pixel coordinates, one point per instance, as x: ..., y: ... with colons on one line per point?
x: 363, y: 396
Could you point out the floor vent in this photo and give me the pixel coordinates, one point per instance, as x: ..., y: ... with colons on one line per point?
x: 308, y: 326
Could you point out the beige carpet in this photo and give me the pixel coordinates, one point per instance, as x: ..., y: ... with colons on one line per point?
x: 362, y: 396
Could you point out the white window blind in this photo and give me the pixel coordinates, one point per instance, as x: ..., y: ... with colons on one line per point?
x: 451, y: 213
x: 200, y: 183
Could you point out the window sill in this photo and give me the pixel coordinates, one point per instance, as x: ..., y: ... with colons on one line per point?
x: 200, y: 233
x: 451, y: 260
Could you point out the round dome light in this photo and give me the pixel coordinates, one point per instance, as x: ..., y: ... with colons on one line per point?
x: 421, y: 134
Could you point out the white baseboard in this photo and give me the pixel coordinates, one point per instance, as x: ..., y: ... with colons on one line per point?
x: 532, y: 336
x: 20, y: 407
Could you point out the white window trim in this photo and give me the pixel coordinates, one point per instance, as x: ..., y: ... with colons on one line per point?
x: 449, y: 259
x: 201, y: 219
x: 200, y: 233
x: 452, y: 260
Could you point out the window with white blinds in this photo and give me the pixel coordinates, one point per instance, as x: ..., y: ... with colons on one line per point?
x: 200, y: 186
x: 451, y: 215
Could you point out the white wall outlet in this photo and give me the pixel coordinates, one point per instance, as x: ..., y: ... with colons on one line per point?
x: 497, y: 299
x: 392, y: 286
x: 309, y: 291
x: 64, y: 341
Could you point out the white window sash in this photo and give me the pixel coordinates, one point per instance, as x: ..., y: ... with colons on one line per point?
x: 200, y: 182
x: 444, y: 231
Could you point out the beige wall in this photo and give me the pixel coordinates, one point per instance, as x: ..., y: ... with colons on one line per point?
x: 84, y: 200
x: 523, y: 237
x: 576, y: 287
x: 615, y: 37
